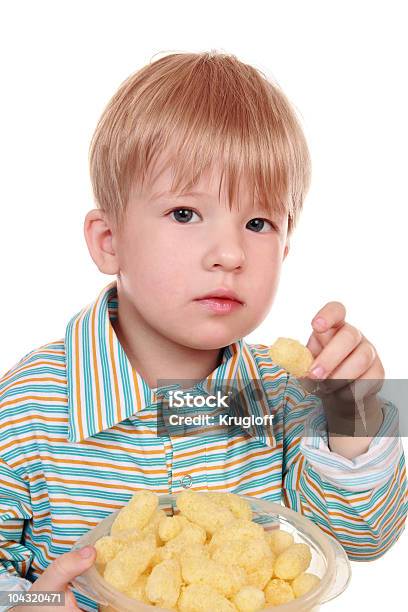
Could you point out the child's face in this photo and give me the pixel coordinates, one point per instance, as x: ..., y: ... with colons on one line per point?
x: 166, y: 263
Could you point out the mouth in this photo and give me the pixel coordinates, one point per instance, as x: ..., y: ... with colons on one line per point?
x: 221, y: 295
x: 220, y: 305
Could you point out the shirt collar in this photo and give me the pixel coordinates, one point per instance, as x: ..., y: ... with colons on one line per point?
x: 104, y: 389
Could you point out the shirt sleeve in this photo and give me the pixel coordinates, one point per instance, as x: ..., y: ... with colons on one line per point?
x: 15, y: 508
x: 374, y: 467
x: 366, y: 515
x: 13, y: 583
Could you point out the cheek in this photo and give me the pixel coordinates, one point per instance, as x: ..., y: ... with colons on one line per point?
x: 156, y: 265
x: 264, y: 268
x: 264, y: 282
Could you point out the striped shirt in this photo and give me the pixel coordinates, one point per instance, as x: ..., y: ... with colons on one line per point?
x: 78, y: 436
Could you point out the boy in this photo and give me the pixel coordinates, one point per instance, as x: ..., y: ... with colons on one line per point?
x: 199, y: 169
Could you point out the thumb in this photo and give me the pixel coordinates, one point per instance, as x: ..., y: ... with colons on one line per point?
x: 66, y: 567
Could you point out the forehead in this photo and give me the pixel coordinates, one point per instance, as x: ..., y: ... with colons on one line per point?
x: 211, y: 184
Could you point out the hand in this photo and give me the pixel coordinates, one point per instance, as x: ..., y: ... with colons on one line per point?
x: 343, y: 354
x: 57, y: 577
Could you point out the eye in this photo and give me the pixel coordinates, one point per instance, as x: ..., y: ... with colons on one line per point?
x: 185, y: 215
x: 182, y: 215
x: 258, y: 224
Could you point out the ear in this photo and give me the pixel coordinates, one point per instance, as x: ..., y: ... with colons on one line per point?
x: 286, y: 251
x: 99, y: 238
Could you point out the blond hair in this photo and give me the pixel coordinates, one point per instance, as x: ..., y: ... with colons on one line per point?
x: 201, y: 106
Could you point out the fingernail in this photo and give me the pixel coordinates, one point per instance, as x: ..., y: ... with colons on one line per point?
x: 85, y: 552
x: 318, y: 372
x: 320, y: 323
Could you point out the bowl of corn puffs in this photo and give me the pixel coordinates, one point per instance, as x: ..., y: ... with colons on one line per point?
x: 211, y: 551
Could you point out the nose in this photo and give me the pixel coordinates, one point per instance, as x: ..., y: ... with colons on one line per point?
x: 225, y: 250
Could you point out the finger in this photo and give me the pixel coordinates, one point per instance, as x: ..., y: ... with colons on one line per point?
x: 332, y: 315
x: 314, y: 345
x: 340, y: 346
x: 334, y: 385
x: 63, y: 569
x: 358, y: 362
x: 325, y: 337
x: 369, y: 383
x: 310, y: 385
x: 359, y: 399
x: 70, y: 601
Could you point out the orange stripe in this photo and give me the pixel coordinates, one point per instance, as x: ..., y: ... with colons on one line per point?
x: 97, y: 484
x: 381, y: 501
x: 93, y: 443
x: 115, y: 376
x: 137, y: 390
x: 294, y: 443
x: 332, y: 513
x: 83, y: 462
x: 214, y: 487
x: 198, y: 451
x: 277, y: 487
x: 268, y: 470
x: 291, y: 401
x: 238, y: 461
x: 41, y: 398
x: 44, y: 549
x: 24, y: 381
x: 14, y: 513
x: 268, y: 377
x: 230, y: 371
x: 94, y: 334
x: 146, y: 417
x: 390, y: 503
x: 28, y: 419
x: 78, y: 379
x: 383, y: 548
x: 339, y: 529
x: 317, y: 491
x: 140, y: 431
x: 214, y: 468
x: 338, y: 497
x: 329, y: 494
x: 392, y: 517
x: 90, y: 444
x: 14, y: 486
x: 299, y: 471
x: 30, y: 366
x: 78, y: 502
x: 74, y: 522
x: 249, y: 362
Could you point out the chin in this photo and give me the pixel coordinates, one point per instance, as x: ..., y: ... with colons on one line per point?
x: 211, y: 340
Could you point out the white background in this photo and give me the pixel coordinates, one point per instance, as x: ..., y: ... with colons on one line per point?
x: 343, y: 66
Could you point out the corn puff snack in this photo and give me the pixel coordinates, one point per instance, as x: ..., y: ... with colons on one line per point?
x: 292, y: 356
x: 210, y: 556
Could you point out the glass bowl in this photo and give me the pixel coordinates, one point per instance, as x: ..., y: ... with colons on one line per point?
x: 329, y: 560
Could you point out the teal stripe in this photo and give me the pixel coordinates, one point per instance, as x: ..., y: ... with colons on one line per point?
x: 104, y: 352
